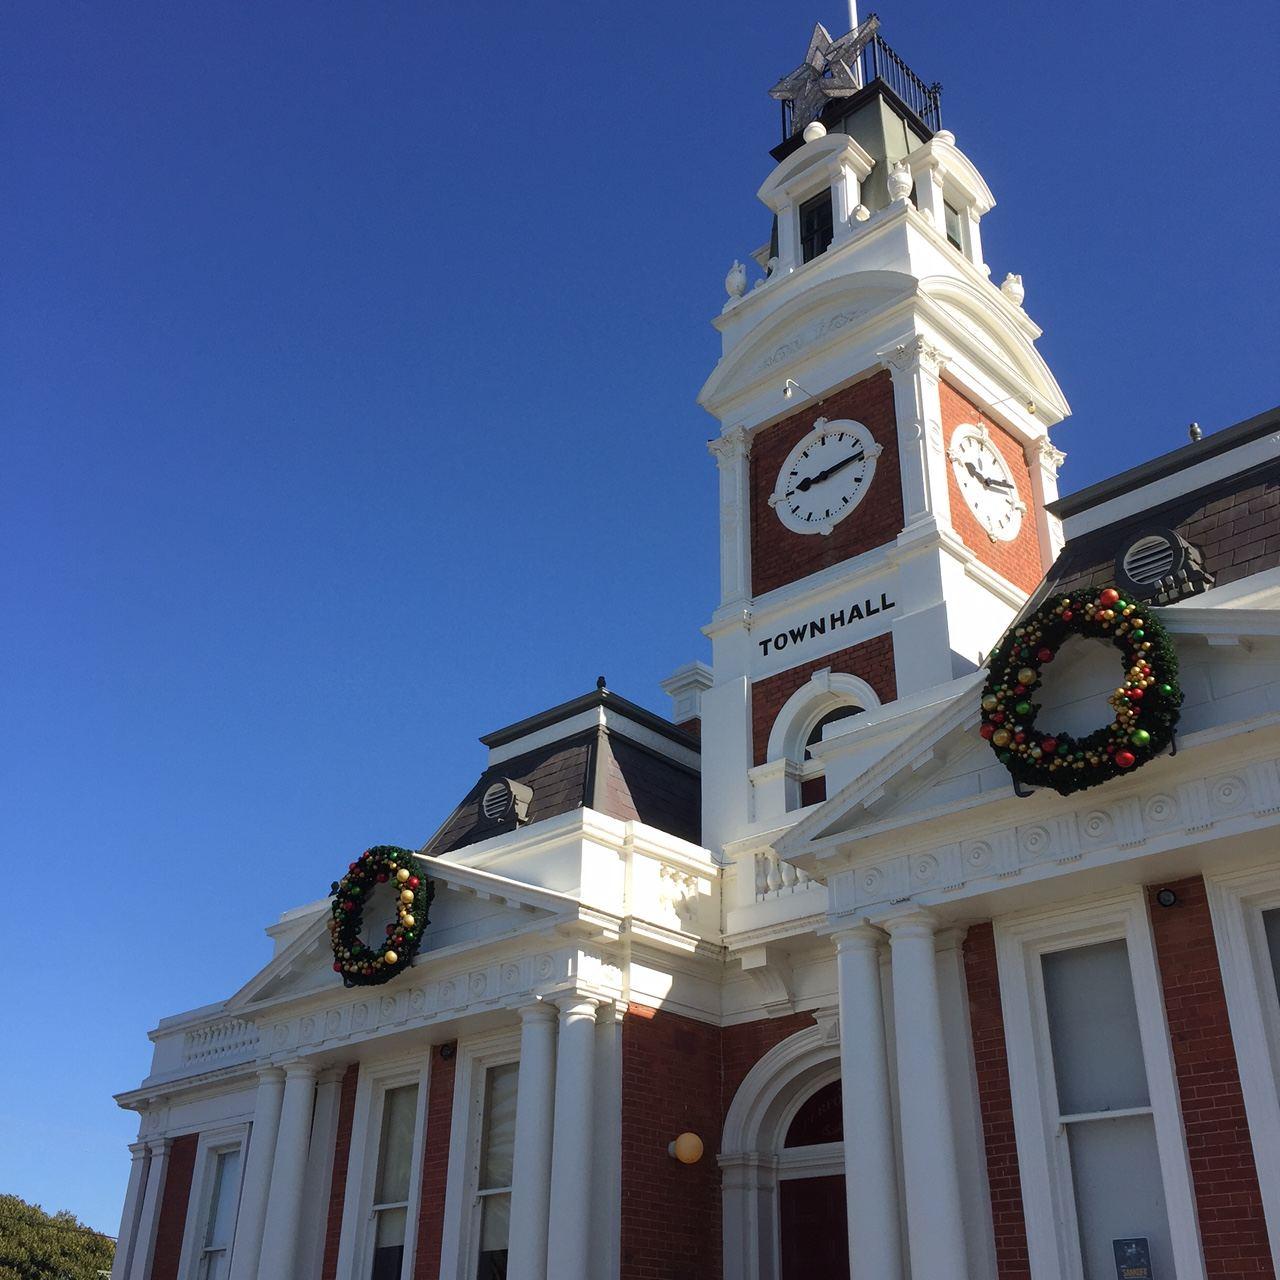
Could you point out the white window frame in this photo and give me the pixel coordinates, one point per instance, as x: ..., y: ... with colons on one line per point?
x: 1053, y: 1238
x: 1237, y: 900
x: 212, y: 1144
x: 355, y: 1252
x: 460, y: 1243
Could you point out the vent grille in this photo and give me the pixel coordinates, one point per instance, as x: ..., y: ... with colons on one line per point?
x: 1150, y: 559
x: 495, y: 801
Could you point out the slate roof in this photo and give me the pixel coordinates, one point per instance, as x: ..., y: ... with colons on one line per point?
x: 1235, y: 521
x: 600, y: 768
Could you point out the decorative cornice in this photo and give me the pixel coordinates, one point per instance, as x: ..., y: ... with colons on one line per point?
x: 731, y: 447
x: 913, y: 354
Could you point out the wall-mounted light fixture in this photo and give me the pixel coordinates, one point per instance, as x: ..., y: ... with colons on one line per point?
x: 1166, y: 897
x: 687, y: 1148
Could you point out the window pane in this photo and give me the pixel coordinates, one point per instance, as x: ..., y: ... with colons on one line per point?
x: 816, y: 226
x: 954, y: 233
x: 395, y: 1154
x: 222, y: 1202
x: 388, y: 1244
x: 498, y: 1147
x: 495, y: 1226
x: 1093, y: 1023
x: 1271, y: 922
x: 1119, y: 1195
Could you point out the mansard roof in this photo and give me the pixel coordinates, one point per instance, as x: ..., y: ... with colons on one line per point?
x: 613, y: 757
x: 1232, y: 519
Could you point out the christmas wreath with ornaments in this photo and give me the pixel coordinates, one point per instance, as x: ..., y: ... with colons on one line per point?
x: 1145, y: 706
x: 360, y: 964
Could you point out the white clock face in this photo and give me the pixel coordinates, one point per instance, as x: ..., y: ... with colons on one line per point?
x: 986, y: 482
x: 825, y: 476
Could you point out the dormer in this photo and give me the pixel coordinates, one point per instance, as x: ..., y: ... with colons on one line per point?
x: 950, y: 191
x: 816, y: 196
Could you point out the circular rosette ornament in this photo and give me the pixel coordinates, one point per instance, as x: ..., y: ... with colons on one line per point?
x: 360, y: 964
x: 1144, y: 706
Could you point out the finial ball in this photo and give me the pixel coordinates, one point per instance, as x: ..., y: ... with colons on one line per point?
x: 814, y: 130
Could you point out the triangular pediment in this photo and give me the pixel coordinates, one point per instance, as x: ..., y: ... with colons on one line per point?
x: 471, y: 909
x: 1230, y: 673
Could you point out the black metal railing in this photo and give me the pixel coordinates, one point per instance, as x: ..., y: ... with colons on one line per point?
x: 879, y: 62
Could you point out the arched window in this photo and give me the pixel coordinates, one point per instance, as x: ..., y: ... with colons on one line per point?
x: 813, y: 780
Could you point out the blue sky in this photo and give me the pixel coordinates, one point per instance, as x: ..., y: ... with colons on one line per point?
x: 350, y: 355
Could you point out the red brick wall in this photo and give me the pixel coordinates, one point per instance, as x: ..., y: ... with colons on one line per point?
x: 435, y: 1164
x: 680, y: 1075
x: 991, y: 1059
x: 778, y: 555
x: 1019, y: 559
x: 670, y: 1084
x: 173, y: 1207
x: 1229, y: 1205
x: 338, y: 1181
x: 872, y: 661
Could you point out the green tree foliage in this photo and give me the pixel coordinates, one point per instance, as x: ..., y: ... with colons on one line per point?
x: 35, y: 1245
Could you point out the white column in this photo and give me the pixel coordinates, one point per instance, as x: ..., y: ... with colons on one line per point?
x: 915, y: 366
x: 315, y: 1200
x: 257, y: 1175
x: 531, y: 1165
x: 606, y: 1174
x: 131, y: 1214
x: 568, y: 1248
x: 732, y: 452
x: 870, y: 1167
x: 288, y: 1173
x: 144, y: 1244
x: 935, y: 1222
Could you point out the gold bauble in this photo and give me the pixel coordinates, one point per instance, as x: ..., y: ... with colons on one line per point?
x: 391, y: 957
x: 407, y: 921
x: 1001, y: 737
x: 990, y: 702
x: 1026, y: 676
x: 402, y: 875
x: 406, y: 895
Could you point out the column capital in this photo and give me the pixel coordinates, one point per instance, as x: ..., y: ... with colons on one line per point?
x: 301, y: 1069
x: 332, y: 1074
x: 911, y: 354
x: 138, y: 1150
x: 574, y: 1005
x: 855, y: 935
x: 270, y: 1075
x: 917, y: 923
x: 159, y: 1146
x: 730, y: 446
x: 538, y: 1011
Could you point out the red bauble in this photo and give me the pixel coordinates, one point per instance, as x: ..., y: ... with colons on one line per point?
x: 382, y: 877
x: 1019, y: 688
x: 1046, y: 655
x: 337, y: 968
x: 1136, y: 694
x: 998, y: 717
x: 1049, y: 746
x: 1067, y: 615
x: 412, y: 882
x: 351, y: 866
x: 348, y: 906
x: 1125, y: 759
x: 1108, y: 597
x: 1019, y: 737
x: 987, y: 730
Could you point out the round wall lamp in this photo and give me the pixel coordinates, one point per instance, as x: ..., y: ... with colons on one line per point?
x: 687, y: 1148
x: 1166, y: 897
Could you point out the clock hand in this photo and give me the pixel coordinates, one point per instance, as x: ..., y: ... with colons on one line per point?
x: 809, y: 481
x: 999, y: 484
x: 976, y: 474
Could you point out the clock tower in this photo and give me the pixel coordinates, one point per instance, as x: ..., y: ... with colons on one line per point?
x: 884, y: 453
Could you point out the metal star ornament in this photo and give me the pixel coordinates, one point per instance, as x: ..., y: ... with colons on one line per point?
x: 829, y: 70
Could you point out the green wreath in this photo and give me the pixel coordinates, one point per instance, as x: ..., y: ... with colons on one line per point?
x: 1145, y: 705
x: 360, y: 964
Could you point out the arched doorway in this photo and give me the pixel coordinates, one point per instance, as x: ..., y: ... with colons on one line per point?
x: 782, y: 1156
x: 813, y: 1232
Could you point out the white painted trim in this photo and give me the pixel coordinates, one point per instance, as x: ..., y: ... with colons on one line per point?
x: 1236, y: 903
x: 375, y: 1079
x: 1048, y: 1199
x: 212, y: 1143
x: 824, y: 691
x: 1188, y: 478
x: 476, y: 1055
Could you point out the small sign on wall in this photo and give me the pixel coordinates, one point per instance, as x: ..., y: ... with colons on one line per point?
x: 1133, y: 1259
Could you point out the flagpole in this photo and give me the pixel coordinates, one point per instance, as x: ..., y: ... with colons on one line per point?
x: 853, y: 15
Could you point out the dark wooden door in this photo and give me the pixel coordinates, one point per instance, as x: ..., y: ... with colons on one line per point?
x: 814, y: 1229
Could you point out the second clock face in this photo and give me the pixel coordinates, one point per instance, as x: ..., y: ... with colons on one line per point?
x: 986, y: 482
x: 825, y: 476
